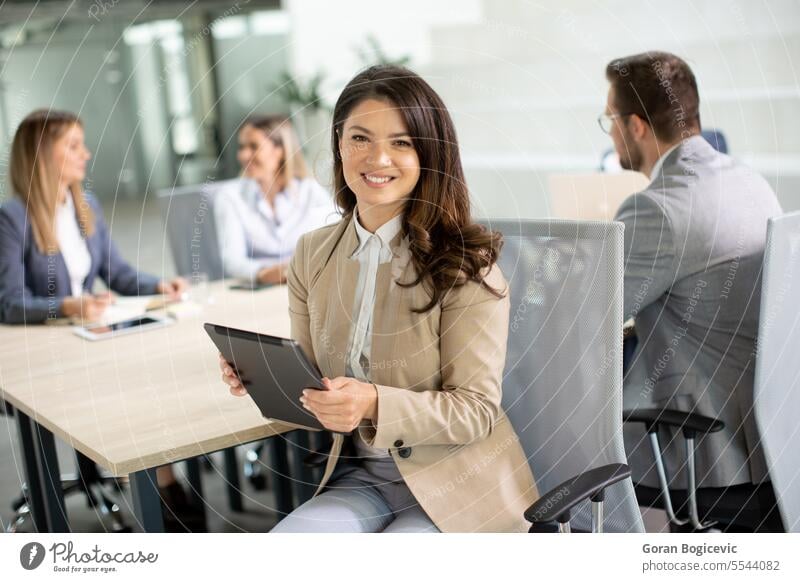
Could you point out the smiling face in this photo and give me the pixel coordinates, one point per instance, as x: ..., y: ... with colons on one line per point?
x: 70, y: 155
x: 379, y: 161
x: 258, y: 155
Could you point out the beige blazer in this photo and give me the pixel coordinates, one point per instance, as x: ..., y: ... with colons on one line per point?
x: 438, y: 377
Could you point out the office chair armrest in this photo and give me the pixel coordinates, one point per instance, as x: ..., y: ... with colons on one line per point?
x: 555, y: 505
x: 690, y: 422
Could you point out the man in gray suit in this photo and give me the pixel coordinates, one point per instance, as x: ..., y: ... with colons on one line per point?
x: 694, y: 244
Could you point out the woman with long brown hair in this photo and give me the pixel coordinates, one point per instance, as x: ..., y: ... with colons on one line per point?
x: 404, y: 310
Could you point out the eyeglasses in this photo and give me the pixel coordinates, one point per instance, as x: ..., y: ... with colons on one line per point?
x: 606, y: 120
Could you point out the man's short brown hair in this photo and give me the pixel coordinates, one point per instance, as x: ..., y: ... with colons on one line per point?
x: 661, y: 89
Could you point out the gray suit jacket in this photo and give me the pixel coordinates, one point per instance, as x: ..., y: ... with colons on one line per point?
x: 694, y: 245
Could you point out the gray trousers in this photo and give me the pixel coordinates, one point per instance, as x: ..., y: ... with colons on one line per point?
x: 357, y: 501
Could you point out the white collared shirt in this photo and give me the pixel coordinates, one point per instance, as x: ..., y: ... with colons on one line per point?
x: 253, y: 235
x: 373, y: 250
x: 72, y: 246
x: 660, y: 162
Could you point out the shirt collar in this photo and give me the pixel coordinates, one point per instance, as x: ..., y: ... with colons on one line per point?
x: 385, y: 233
x: 256, y: 196
x: 657, y: 167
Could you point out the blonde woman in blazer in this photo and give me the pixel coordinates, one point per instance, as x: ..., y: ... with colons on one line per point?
x: 404, y: 311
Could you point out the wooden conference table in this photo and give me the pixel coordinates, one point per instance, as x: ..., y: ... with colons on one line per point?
x: 132, y: 403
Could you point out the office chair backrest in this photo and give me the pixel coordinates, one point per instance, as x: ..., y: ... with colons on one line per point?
x: 777, y: 381
x: 562, y: 386
x: 717, y: 139
x: 188, y: 214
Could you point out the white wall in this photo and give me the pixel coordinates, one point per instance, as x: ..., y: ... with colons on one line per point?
x: 525, y: 80
x: 324, y: 35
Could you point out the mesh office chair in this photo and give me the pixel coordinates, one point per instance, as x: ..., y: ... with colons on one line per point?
x: 772, y: 505
x: 562, y: 385
x: 188, y: 214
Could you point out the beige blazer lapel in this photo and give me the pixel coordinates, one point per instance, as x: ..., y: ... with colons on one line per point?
x: 340, y: 282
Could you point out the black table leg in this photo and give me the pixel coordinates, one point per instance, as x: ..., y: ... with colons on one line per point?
x: 53, y: 491
x: 302, y: 475
x: 195, y: 483
x: 33, y: 481
x: 146, y: 500
x: 234, y: 485
x: 281, y: 478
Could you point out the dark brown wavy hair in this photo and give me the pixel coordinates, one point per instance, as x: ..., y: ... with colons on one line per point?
x: 447, y: 248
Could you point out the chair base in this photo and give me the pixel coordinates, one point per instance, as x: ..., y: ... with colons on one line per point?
x: 96, y: 498
x: 88, y: 482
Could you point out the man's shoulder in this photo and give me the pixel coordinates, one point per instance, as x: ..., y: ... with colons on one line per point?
x: 652, y: 201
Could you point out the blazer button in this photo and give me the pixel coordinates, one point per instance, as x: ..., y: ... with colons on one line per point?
x: 398, y: 444
x: 404, y: 452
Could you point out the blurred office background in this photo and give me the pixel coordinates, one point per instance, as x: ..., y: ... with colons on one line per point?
x: 163, y: 86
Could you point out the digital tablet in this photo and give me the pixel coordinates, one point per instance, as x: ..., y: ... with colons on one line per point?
x: 100, y: 331
x: 274, y: 370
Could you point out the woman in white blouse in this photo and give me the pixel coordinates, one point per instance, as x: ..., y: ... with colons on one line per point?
x: 260, y: 218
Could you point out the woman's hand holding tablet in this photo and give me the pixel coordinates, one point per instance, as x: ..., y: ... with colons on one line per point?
x: 340, y: 407
x: 230, y: 378
x: 343, y: 404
